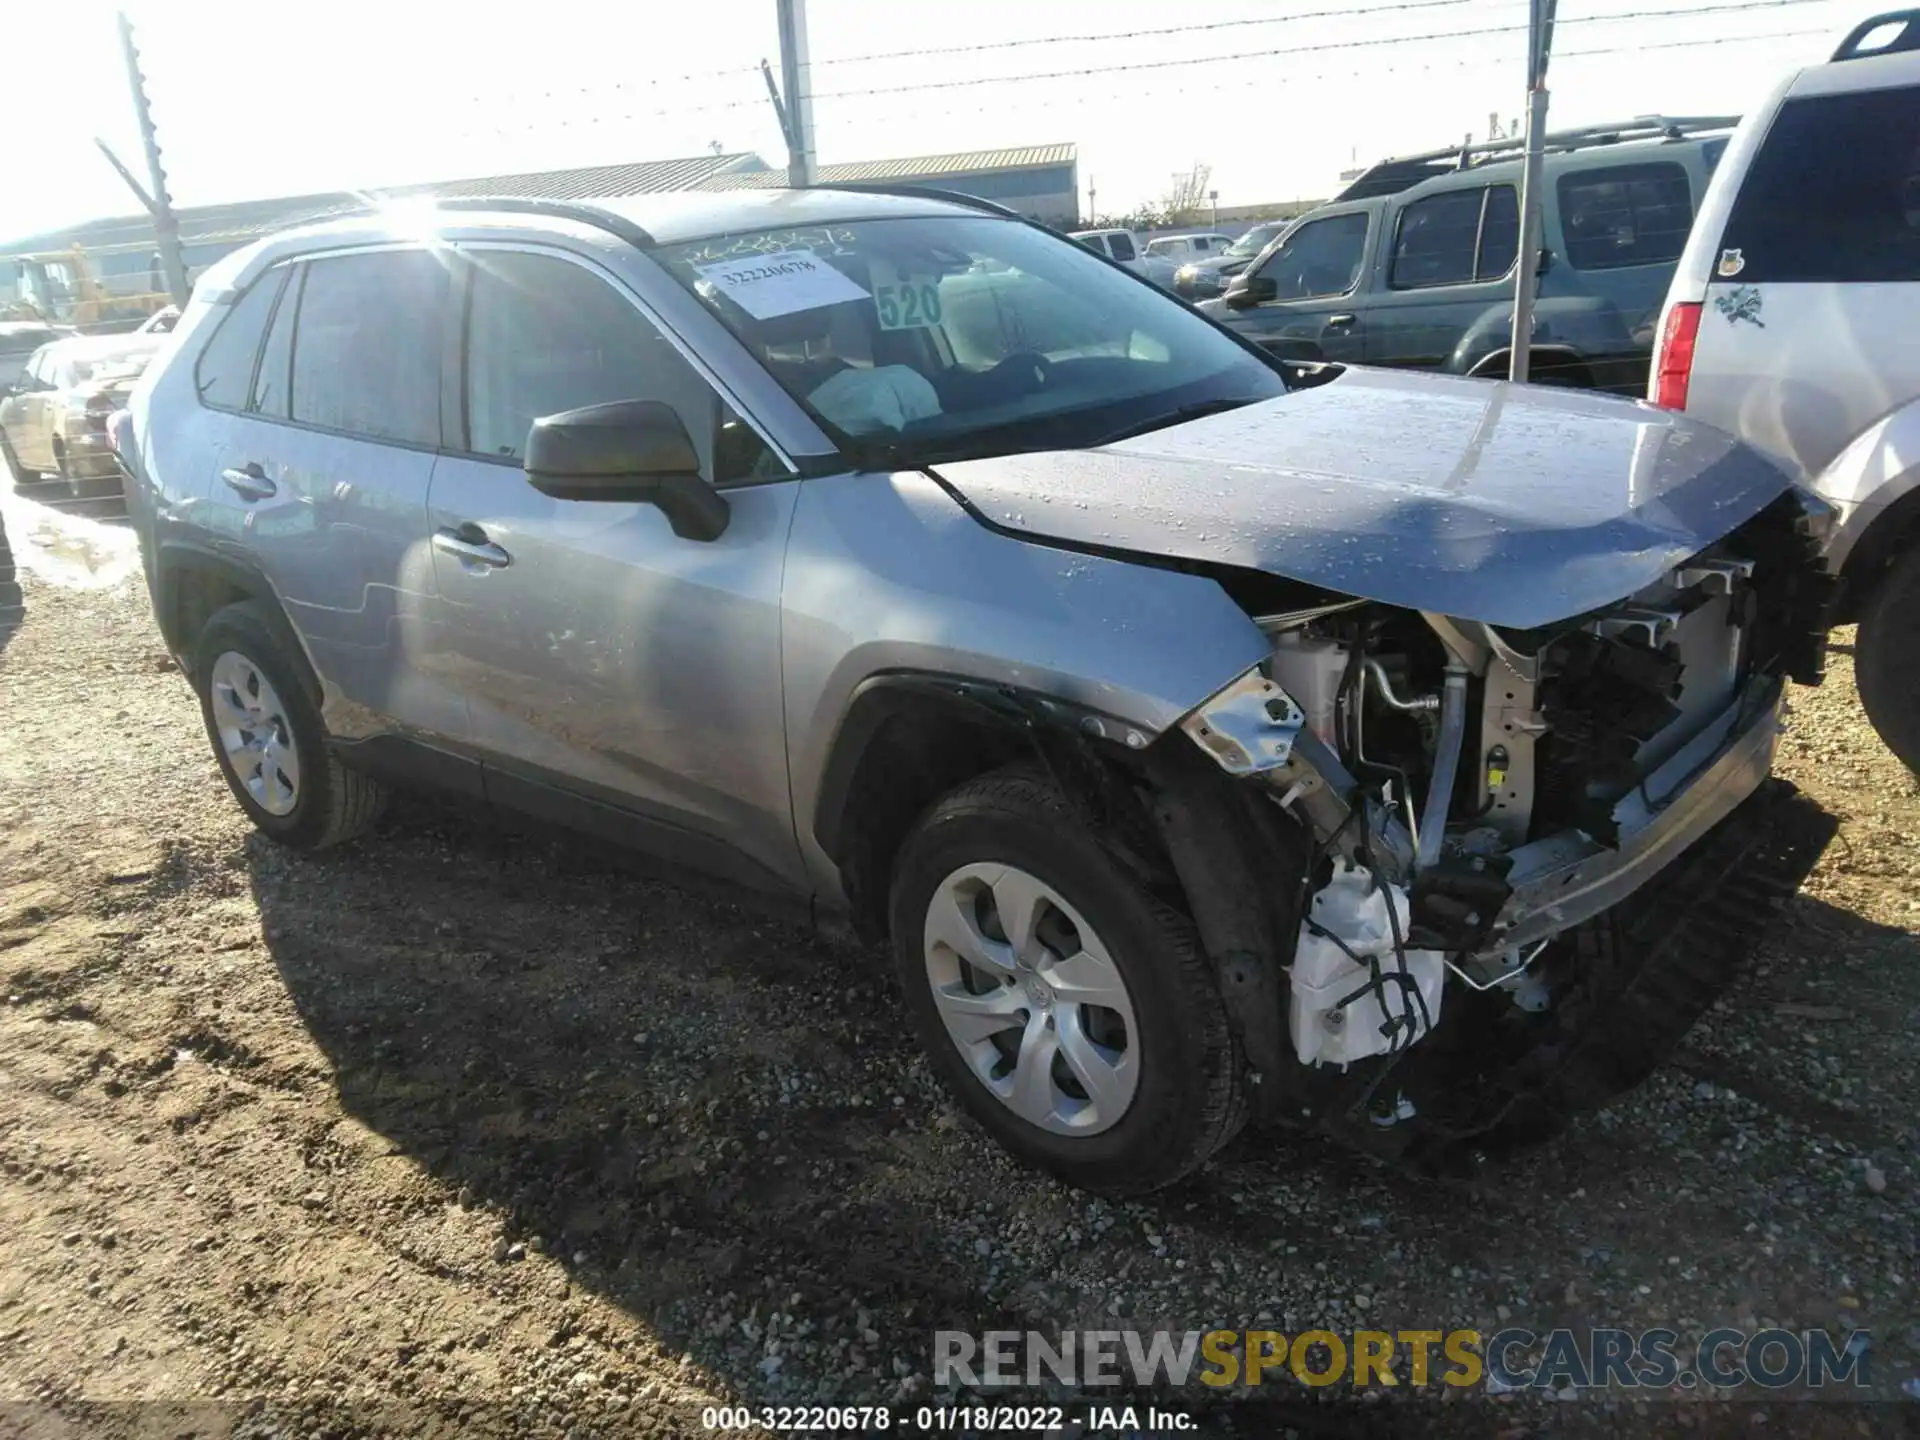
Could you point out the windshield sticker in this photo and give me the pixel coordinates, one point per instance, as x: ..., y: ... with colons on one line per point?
x: 905, y: 301
x: 787, y: 281
x: 1732, y: 262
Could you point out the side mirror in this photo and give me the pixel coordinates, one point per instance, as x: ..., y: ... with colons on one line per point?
x: 626, y: 450
x: 1250, y: 290
x: 1545, y: 262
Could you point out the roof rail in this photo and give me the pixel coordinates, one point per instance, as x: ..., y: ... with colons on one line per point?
x: 1404, y: 171
x: 923, y: 192
x: 1907, y: 37
x: 617, y: 226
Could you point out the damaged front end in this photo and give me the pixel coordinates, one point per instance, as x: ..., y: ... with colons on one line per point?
x: 1406, y: 840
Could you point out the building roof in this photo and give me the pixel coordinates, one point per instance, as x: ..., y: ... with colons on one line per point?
x: 922, y: 167
x: 248, y: 219
x: 245, y: 220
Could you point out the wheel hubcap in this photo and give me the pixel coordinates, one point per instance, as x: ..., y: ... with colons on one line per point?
x: 1032, y: 999
x: 254, y: 734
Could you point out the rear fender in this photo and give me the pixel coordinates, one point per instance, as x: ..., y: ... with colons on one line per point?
x: 1577, y: 326
x: 1874, y: 486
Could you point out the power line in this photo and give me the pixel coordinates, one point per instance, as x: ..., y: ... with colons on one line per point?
x: 1140, y: 34
x: 1377, y: 41
x: 519, y: 128
x: 1159, y: 92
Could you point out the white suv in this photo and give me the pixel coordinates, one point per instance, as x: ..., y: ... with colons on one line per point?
x: 1794, y: 321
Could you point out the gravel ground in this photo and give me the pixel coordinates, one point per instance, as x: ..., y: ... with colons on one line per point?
x: 473, y: 1123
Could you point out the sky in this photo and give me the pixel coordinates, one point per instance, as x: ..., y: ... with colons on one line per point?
x: 259, y: 98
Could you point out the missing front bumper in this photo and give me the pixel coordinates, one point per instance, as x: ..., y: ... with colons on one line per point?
x: 1565, y: 879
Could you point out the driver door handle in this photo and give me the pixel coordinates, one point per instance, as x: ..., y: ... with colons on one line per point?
x: 1340, y: 321
x: 469, y: 543
x: 250, y: 481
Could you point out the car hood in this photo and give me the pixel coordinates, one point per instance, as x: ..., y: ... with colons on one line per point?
x: 1214, y: 264
x: 1515, y: 505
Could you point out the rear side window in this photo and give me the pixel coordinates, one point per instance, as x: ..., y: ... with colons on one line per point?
x: 1121, y: 245
x: 1436, y: 241
x: 1834, y: 194
x: 366, y: 350
x: 224, y: 373
x: 1625, y: 215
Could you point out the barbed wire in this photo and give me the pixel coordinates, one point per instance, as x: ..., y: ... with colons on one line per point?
x: 1154, y: 33
x: 759, y: 101
x: 1361, y: 44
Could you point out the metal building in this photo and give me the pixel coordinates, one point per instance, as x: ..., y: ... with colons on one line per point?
x: 1041, y: 181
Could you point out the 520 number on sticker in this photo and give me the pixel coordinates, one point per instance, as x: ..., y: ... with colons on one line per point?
x: 909, y: 302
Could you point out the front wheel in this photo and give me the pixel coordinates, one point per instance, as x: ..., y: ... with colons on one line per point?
x: 1073, y: 1016
x: 21, y: 475
x: 1886, y: 661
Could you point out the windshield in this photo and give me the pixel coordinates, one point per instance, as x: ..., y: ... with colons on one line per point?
x: 944, y: 337
x: 1255, y: 240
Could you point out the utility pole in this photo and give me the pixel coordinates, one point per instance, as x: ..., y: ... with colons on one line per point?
x: 796, y: 79
x: 166, y: 228
x: 1527, y: 271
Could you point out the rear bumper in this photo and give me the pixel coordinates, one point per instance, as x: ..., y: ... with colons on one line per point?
x: 1565, y: 879
x: 90, y: 455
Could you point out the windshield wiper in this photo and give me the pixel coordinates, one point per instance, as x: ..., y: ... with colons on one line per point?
x: 1179, y: 415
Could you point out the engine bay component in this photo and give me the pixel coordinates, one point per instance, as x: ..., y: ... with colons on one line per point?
x: 1248, y: 727
x: 1357, y: 990
x: 1446, y: 760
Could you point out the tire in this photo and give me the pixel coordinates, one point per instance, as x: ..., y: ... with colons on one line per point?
x: 312, y: 803
x: 21, y: 475
x: 1182, y: 1101
x: 1886, y: 660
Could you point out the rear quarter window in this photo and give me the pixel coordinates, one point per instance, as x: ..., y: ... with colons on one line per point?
x: 1834, y: 193
x: 224, y: 372
x: 1625, y: 215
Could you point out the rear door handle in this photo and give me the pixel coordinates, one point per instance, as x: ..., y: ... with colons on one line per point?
x: 469, y: 543
x: 250, y: 481
x: 1340, y: 322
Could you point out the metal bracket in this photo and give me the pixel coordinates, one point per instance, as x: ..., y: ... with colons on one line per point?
x: 1248, y: 727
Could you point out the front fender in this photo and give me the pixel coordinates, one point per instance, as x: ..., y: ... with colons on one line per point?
x: 888, y: 574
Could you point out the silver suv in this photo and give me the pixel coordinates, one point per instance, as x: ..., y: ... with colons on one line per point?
x: 1208, y: 737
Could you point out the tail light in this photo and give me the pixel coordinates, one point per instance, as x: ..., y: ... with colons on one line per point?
x: 1673, y: 360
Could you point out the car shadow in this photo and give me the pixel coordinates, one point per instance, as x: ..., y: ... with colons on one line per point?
x: 701, y: 1112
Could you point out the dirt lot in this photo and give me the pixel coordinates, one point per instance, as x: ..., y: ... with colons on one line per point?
x: 473, y: 1125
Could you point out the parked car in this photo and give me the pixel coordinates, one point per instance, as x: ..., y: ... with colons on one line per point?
x: 53, y: 417
x: 1413, y: 264
x: 1207, y: 736
x: 1126, y: 249
x: 19, y: 339
x: 1793, y: 319
x: 1204, y: 278
x: 1181, y: 248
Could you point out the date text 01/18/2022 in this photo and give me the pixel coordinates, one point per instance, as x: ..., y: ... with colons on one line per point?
x: 941, y: 1419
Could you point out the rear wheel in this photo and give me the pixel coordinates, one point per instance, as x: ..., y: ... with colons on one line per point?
x: 268, y: 738
x: 1886, y: 661
x: 1074, y: 1017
